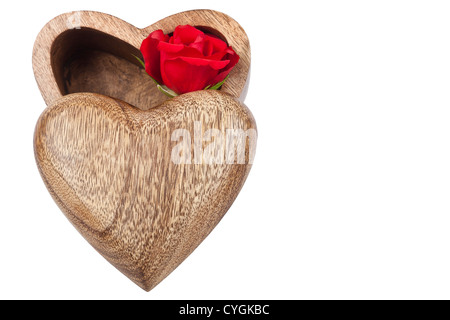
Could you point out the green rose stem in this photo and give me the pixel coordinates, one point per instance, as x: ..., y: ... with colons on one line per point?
x: 217, y: 85
x: 171, y: 93
x: 161, y: 88
x: 166, y: 91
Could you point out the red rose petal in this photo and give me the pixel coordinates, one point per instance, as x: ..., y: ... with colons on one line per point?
x: 189, y: 60
x: 186, y: 34
x: 234, y: 59
x: 214, y: 64
x: 169, y: 47
x: 151, y: 54
x: 219, y: 55
x: 217, y: 44
x: 199, y: 44
x: 185, y: 77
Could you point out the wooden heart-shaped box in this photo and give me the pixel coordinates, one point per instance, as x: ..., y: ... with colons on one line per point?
x: 142, y: 178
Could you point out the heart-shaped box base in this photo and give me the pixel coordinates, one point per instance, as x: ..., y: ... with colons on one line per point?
x: 143, y: 180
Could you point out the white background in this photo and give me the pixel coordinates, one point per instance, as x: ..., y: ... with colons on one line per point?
x: 349, y: 196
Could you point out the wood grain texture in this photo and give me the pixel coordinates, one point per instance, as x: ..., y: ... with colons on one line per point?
x: 69, y: 60
x: 104, y: 145
x: 108, y: 166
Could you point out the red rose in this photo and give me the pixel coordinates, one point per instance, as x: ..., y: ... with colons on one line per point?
x: 190, y: 60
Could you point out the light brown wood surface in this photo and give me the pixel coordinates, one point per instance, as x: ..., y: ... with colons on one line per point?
x: 108, y: 166
x: 104, y: 145
x: 98, y: 57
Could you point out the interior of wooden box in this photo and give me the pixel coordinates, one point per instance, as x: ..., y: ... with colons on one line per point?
x: 87, y: 60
